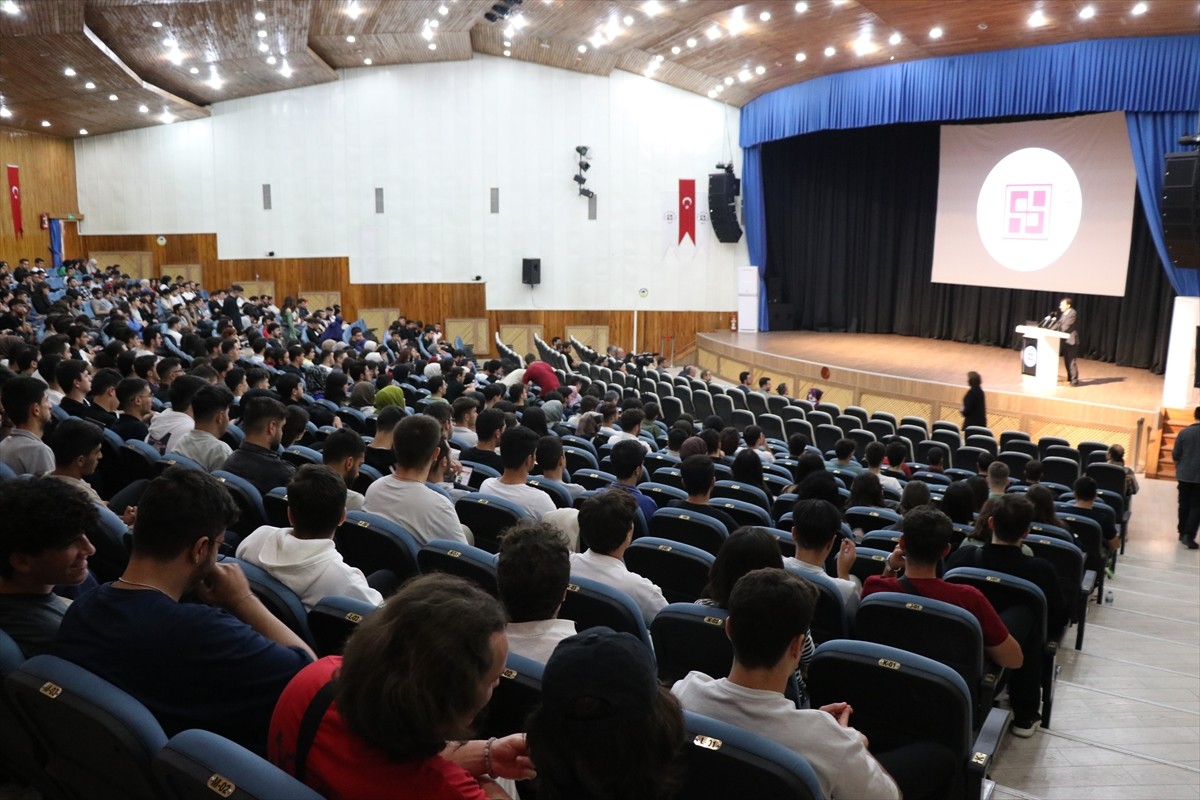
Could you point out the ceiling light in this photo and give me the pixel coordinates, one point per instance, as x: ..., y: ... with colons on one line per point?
x: 729, y: 80
x: 1139, y: 9
x: 214, y: 80
x: 427, y: 34
x: 712, y: 93
x: 765, y: 16
x: 652, y: 8
x: 507, y: 43
x: 691, y: 42
x: 4, y: 112
x: 367, y: 61
x: 720, y: 87
x: 628, y: 20
x: 713, y: 32
x: 676, y: 50
x: 271, y: 60
x: 760, y: 70
x: 175, y: 57
x: 113, y: 97
x: 582, y: 48
x: 353, y: 11
x: 45, y: 123
x: 350, y: 39
x: 507, y: 53
x: 936, y: 33
x: 260, y: 17
x: 143, y: 109
x: 443, y: 10
x: 830, y: 50
x: 89, y: 85
x: 156, y: 24
x: 170, y: 43
x: 70, y: 73
x: 262, y: 34
x: 801, y: 8
x: 744, y: 75
x: 659, y: 58
x: 9, y: 7
x: 894, y: 39
x: 433, y: 45
x: 167, y: 117
x: 579, y: 179
x: 509, y: 32
x: 194, y: 70
x: 864, y: 46
x: 1087, y: 12
x: 801, y: 57
x: 286, y: 69
x: 83, y: 131
x: 1037, y: 19
x: 519, y: 20
x: 433, y: 23
x: 737, y: 23
x: 596, y: 41
x: 263, y: 47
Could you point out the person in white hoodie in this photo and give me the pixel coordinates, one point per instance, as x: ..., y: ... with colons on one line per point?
x: 303, y: 557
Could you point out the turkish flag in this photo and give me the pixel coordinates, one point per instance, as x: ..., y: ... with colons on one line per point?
x: 687, y: 209
x: 14, y: 195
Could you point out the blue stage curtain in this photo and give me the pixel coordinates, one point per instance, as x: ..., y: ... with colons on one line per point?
x: 56, y: 243
x: 1151, y: 135
x: 1149, y: 78
x: 754, y: 220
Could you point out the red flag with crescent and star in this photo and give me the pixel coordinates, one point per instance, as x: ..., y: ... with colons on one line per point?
x: 14, y: 196
x: 684, y: 220
x: 687, y: 210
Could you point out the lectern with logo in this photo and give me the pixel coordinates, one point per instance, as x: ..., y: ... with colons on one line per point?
x: 1039, y: 357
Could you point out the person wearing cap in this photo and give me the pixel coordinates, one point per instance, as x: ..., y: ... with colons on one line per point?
x: 393, y: 716
x: 606, y: 527
x: 605, y: 728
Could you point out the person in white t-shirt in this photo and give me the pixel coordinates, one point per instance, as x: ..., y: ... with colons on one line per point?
x: 517, y: 448
x: 403, y: 497
x: 532, y: 571
x: 168, y: 428
x: 303, y: 556
x: 765, y: 655
x: 631, y: 420
x: 606, y: 527
x: 815, y: 533
x: 874, y: 455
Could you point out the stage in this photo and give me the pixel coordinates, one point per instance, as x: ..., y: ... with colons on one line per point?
x: 906, y: 375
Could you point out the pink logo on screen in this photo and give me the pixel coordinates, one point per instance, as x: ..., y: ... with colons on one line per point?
x: 1027, y: 211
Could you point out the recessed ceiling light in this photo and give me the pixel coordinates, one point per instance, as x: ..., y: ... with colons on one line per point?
x: 427, y: 34
x: 113, y: 97
x: 367, y: 61
x: 894, y: 39
x: 175, y: 57
x: 433, y: 45
x: 519, y: 20
x: 89, y: 85
x: 729, y: 80
x: 9, y: 7
x: 45, y: 123
x: 507, y: 53
x: 1087, y: 12
x: 760, y: 69
x: 659, y: 58
x: 509, y: 32
x: 353, y: 11
x: 443, y: 10
x: 1037, y: 19
x: 628, y: 20
x: 350, y: 39
x: 260, y: 16
x: 167, y: 117
x: 170, y: 43
x: 765, y: 16
x: 83, y: 132
x: 720, y: 87
x: 801, y: 8
x: 1139, y: 9
x: 582, y: 48
x: 676, y: 50
x: 737, y: 22
x: 744, y: 75
x: 864, y: 46
x: 691, y: 42
x: 433, y: 23
x: 712, y: 93
x: 801, y: 57
x: 830, y: 50
x: 70, y: 73
x: 4, y: 112
x: 271, y: 60
x: 143, y: 109
x: 263, y: 47
x: 262, y: 34
x: 507, y: 43
x: 194, y: 70
x: 713, y: 32
x: 156, y: 24
x: 286, y: 69
x: 652, y: 8
x: 936, y: 33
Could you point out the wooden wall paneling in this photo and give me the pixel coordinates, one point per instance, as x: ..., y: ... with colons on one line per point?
x: 257, y: 288
x: 289, y: 274
x: 47, y: 184
x: 474, y: 331
x: 520, y: 336
x: 134, y: 263
x: 189, y: 272
x: 184, y: 248
x: 593, y: 336
x: 378, y: 318
x: 327, y: 299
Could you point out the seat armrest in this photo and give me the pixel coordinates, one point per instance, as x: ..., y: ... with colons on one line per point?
x: 1088, y: 584
x: 984, y: 750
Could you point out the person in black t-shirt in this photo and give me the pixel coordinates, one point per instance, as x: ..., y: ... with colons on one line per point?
x: 699, y: 476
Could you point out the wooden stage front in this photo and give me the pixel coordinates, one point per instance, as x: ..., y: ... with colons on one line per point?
x: 907, y: 375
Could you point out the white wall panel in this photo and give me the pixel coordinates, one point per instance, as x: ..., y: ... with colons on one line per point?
x: 437, y: 138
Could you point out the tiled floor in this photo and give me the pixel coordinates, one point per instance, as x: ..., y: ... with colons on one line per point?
x: 1126, y: 720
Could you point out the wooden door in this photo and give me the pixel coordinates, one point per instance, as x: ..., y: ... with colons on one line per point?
x: 136, y: 264
x: 377, y: 318
x: 189, y: 272
x: 319, y: 300
x: 474, y: 331
x: 520, y: 337
x: 257, y: 288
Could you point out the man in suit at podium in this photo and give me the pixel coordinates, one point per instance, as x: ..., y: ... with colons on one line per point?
x: 1066, y: 322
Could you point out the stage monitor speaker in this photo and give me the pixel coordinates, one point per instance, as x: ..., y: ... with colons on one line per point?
x: 779, y: 316
x: 531, y: 271
x: 1181, y: 209
x: 774, y: 289
x: 723, y: 190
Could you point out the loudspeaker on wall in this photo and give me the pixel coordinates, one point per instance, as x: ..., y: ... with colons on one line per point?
x: 531, y: 271
x: 1181, y: 209
x: 723, y: 189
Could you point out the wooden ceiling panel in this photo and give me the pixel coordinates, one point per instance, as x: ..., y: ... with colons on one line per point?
x: 393, y: 48
x: 43, y: 18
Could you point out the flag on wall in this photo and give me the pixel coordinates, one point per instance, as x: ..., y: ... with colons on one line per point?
x: 14, y: 195
x: 685, y: 221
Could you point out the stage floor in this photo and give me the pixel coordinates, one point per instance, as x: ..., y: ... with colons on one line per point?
x: 907, y: 375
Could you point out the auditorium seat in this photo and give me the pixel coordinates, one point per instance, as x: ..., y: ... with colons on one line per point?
x: 137, y: 461
x: 1060, y: 451
x: 743, y: 492
x: 886, y: 417
x: 967, y: 458
x: 916, y: 422
x: 251, y: 512
x: 689, y: 527
x: 776, y: 484
x: 952, y: 439
x: 869, y: 519
x: 1008, y: 436
x: 662, y: 494
x: 861, y: 439
x: 1046, y: 442
x: 590, y: 604
x: 371, y: 543
x: 724, y: 761
x: 984, y: 443
x: 1086, y: 449
x: 517, y: 694
x: 772, y: 427
x: 1110, y: 477
x: 22, y: 756
x: 827, y: 437
x: 176, y: 460
x: 593, y: 478
x: 333, y: 619
x: 886, y: 541
x: 557, y: 491
x: 366, y: 476
x: 1077, y: 583
x: 196, y: 765
x: 1023, y: 446
x: 481, y: 472
x: 1014, y: 461
x: 463, y: 560
x: 672, y: 408
x: 679, y: 570
x: 743, y: 513
x: 281, y: 601
x: 276, y: 505
x: 1061, y: 470
x: 934, y: 479
x: 1052, y: 531
x: 830, y: 620
x: 978, y: 430
x: 867, y: 562
x: 818, y: 418
x: 881, y: 428
x: 742, y: 419
x: 924, y: 447
x: 702, y: 401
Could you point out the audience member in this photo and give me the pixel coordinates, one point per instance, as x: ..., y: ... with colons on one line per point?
x: 27, y: 404
x: 997, y: 479
x: 843, y: 451
x: 532, y: 570
x: 1043, y: 507
x: 756, y: 442
x: 815, y: 530
x: 344, y: 452
x: 606, y: 528
x: 466, y: 410
x: 627, y: 458
x: 747, y: 469
x: 134, y: 400
x: 210, y: 411
x: 874, y: 455
x: 551, y: 461
x: 1085, y: 506
x: 746, y: 550
x: 867, y: 491
x: 517, y: 448
x: 631, y: 420
x: 257, y: 457
x: 489, y: 427
x: 168, y: 428
x: 699, y: 476
x: 77, y: 452
x: 379, y: 451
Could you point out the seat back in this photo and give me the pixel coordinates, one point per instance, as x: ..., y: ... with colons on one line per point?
x: 1014, y: 461
x: 967, y: 457
x: 926, y: 445
x: 1108, y: 476
x: 743, y: 492
x: 22, y: 756
x: 984, y: 443
x: 463, y: 560
x: 558, y: 493
x: 661, y: 493
x: 867, y: 562
x: 742, y: 419
x: 881, y: 540
x: 137, y: 461
x: 869, y: 518
x: 743, y: 513
x: 99, y: 740
x: 915, y: 422
x: 281, y: 601
x: 688, y: 527
x: 300, y: 455
x: 480, y: 473
x: 593, y: 478
x: 688, y: 637
x: 1004, y: 591
x: 276, y: 506
x: 1063, y: 451
x: 672, y: 408
x: 679, y: 570
x: 724, y: 761
x: 1008, y: 436
x: 333, y: 619
x: 827, y: 436
x: 1056, y: 469
x: 1068, y: 561
x: 657, y: 461
x: 1046, y: 442
x: 702, y: 401
x: 1087, y: 448
x: 756, y: 402
x: 590, y: 604
x: 515, y: 697
x: 881, y: 428
x: 196, y: 764
x: 898, y: 697
x: 669, y: 476
x: 772, y: 426
x: 829, y: 619
x: 488, y: 517
x: 252, y: 514
x: 952, y: 439
x: 1089, y: 536
x: 371, y: 543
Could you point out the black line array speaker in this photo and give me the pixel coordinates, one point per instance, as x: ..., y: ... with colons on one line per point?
x: 723, y: 191
x: 1181, y: 209
x: 531, y: 271
x: 779, y: 316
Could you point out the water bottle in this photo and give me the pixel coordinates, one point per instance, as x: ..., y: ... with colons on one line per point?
x: 1108, y: 597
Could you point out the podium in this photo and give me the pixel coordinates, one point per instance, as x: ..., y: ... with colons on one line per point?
x: 1039, y: 357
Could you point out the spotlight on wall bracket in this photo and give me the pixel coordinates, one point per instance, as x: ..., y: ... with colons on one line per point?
x: 586, y: 193
x: 501, y: 10
x: 580, y: 180
x: 727, y: 166
x: 583, y: 166
x: 582, y: 150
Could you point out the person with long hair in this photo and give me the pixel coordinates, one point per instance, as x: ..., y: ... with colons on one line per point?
x: 535, y: 419
x: 867, y: 491
x: 1043, y: 506
x: 287, y: 317
x: 958, y: 503
x: 747, y: 549
x: 747, y: 468
x: 399, y: 705
x: 335, y: 388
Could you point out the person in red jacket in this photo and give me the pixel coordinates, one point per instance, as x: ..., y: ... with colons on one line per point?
x: 541, y: 373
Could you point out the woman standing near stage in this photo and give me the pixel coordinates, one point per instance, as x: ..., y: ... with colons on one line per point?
x: 974, y: 407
